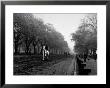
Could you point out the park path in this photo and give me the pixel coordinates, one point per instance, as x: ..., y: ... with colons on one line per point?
x: 64, y: 67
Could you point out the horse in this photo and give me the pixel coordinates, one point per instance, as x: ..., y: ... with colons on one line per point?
x: 45, y: 53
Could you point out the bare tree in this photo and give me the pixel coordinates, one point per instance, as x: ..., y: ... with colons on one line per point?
x: 86, y: 36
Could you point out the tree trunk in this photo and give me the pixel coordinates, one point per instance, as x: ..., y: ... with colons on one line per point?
x: 34, y: 49
x: 16, y: 48
x: 27, y: 49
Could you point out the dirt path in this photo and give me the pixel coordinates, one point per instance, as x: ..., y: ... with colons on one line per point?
x: 64, y: 67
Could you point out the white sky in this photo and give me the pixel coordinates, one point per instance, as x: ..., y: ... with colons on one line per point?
x: 63, y: 23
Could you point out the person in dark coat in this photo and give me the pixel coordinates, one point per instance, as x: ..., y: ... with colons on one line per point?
x: 80, y: 65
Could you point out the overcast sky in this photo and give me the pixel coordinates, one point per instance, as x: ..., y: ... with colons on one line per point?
x: 63, y: 23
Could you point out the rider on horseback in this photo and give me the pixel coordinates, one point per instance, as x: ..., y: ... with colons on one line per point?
x: 45, y: 52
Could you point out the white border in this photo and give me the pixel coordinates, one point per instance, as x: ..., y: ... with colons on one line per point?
x: 101, y: 16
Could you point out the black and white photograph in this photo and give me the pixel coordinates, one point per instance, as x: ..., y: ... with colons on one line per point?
x: 55, y: 44
x: 47, y: 43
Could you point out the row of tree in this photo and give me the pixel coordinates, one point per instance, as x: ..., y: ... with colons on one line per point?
x: 31, y: 33
x: 86, y: 36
